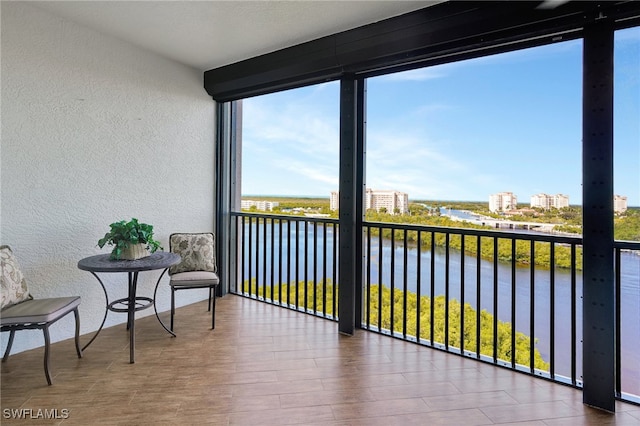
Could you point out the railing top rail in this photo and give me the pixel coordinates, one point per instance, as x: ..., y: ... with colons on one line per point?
x: 627, y: 245
x: 562, y: 239
x: 286, y: 217
x: 481, y: 232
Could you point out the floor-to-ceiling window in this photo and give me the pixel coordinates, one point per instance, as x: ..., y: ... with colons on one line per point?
x: 287, y: 166
x: 525, y: 126
x: 449, y: 139
x: 627, y: 202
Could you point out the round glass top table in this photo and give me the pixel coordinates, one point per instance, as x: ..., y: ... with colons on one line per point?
x: 159, y: 260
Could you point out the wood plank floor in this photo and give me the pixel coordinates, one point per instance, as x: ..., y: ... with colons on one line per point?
x: 265, y: 365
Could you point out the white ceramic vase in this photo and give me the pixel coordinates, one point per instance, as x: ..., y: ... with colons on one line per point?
x: 134, y: 251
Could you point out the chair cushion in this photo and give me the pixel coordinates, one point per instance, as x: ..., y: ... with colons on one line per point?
x: 196, y: 250
x: 13, y: 286
x: 194, y: 279
x: 38, y: 310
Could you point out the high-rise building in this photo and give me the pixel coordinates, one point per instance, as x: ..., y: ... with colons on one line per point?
x: 503, y: 202
x: 259, y: 205
x: 334, y: 200
x: 393, y: 202
x: 540, y: 200
x: 619, y: 203
x: 547, y: 202
x: 561, y: 201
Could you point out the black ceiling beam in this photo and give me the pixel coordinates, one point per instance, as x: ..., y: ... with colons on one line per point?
x: 444, y: 32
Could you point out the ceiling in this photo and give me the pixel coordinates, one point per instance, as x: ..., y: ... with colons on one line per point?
x: 210, y: 34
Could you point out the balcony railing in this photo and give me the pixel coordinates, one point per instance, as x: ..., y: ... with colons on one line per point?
x: 288, y: 261
x: 462, y: 282
x: 512, y: 299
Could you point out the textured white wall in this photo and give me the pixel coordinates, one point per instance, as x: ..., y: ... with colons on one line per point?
x: 95, y: 130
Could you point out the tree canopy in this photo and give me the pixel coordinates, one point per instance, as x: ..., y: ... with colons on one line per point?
x: 322, y: 298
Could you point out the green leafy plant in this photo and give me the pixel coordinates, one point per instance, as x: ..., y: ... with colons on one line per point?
x: 123, y: 234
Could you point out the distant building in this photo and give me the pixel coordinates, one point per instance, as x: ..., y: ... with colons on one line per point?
x: 547, y: 202
x: 391, y: 201
x: 619, y: 203
x: 503, y: 202
x: 540, y: 200
x: 561, y: 201
x: 334, y: 200
x: 259, y: 205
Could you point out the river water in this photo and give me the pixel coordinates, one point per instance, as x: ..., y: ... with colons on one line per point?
x: 630, y: 289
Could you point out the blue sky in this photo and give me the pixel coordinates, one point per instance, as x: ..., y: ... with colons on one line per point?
x: 459, y: 131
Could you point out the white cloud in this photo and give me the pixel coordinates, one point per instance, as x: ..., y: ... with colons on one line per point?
x: 314, y: 172
x: 290, y: 143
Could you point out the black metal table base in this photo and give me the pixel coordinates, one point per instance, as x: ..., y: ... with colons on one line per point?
x: 132, y: 303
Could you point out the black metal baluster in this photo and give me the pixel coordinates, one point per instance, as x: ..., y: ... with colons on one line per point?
x: 280, y: 280
x: 532, y: 312
x: 272, y: 260
x: 335, y: 271
x: 368, y: 279
x: 297, y: 302
x: 514, y: 303
x: 264, y: 262
x: 552, y: 309
x: 243, y: 255
x: 250, y: 259
x: 324, y: 270
x: 478, y: 295
x: 254, y: 291
x: 380, y: 279
x: 315, y: 267
x: 495, y: 299
x: 618, y: 324
x: 433, y: 288
x: 418, y: 283
x: 289, y: 245
x: 462, y: 259
x: 574, y: 336
x: 393, y: 279
x: 305, y: 260
x: 447, y: 247
x: 405, y: 285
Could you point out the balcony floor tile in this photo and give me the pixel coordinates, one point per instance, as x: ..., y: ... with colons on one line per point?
x: 265, y: 365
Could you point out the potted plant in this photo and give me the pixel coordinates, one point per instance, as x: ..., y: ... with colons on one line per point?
x: 130, y: 240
